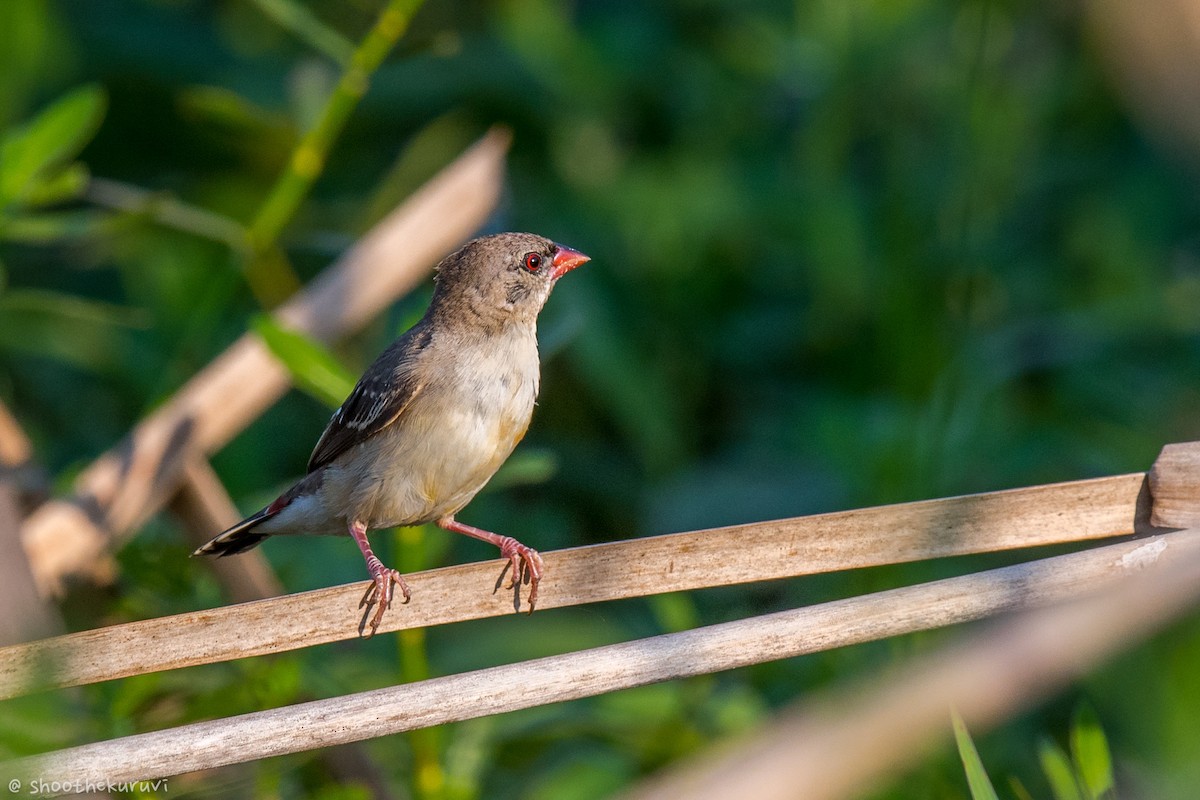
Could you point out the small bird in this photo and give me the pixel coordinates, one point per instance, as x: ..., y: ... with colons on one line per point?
x: 432, y: 419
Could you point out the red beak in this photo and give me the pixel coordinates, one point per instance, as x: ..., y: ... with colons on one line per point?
x: 566, y: 260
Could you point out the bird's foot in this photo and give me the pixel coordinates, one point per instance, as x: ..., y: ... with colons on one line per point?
x: 379, y: 595
x: 526, y: 565
x: 525, y: 562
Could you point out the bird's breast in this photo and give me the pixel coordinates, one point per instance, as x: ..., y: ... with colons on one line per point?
x: 458, y: 431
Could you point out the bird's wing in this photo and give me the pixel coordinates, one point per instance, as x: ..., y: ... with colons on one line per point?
x: 380, y: 398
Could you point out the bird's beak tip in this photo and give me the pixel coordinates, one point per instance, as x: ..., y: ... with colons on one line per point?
x: 566, y: 260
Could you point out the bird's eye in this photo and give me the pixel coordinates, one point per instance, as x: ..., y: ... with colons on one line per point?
x: 532, y: 262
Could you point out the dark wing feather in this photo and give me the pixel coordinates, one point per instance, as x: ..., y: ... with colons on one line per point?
x: 381, y: 396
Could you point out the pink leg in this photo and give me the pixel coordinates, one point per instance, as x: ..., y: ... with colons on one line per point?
x: 383, y: 580
x: 525, y: 562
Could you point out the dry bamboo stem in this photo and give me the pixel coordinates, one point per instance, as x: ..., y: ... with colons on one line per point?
x: 843, y: 743
x: 203, y: 506
x: 365, y: 715
x: 1040, y: 515
x: 24, y: 614
x: 121, y: 489
x: 1174, y: 483
x: 15, y: 449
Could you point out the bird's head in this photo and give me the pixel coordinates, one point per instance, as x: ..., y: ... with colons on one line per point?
x: 505, y: 276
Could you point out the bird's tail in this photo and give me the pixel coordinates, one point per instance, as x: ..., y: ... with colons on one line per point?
x: 239, y: 538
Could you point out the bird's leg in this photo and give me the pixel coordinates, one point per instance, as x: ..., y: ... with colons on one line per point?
x: 383, y: 581
x: 525, y: 562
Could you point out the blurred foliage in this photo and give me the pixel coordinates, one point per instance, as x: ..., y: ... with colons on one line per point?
x: 843, y: 254
x: 313, y: 368
x: 1086, y: 774
x: 978, y: 781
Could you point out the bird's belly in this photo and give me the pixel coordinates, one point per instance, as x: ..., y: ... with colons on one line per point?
x: 429, y: 466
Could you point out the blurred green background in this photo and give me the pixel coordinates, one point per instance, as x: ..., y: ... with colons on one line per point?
x: 844, y: 253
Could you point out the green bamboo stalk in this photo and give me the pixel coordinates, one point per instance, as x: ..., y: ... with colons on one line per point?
x: 268, y: 273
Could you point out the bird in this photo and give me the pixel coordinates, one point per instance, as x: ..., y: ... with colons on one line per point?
x: 430, y: 420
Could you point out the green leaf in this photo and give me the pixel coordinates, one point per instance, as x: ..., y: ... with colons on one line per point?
x: 314, y: 369
x: 50, y: 141
x: 582, y: 775
x: 674, y: 611
x: 527, y: 467
x: 1058, y: 771
x: 342, y: 791
x: 54, y: 226
x: 82, y: 332
x: 1018, y: 789
x: 301, y: 21
x: 977, y: 778
x: 1089, y: 751
x: 59, y: 186
x: 222, y: 109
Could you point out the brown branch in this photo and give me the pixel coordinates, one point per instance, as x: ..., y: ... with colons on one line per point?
x: 356, y: 717
x: 1039, y: 515
x: 120, y: 490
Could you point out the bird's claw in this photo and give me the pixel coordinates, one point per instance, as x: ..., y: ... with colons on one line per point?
x: 527, y: 568
x: 380, y: 593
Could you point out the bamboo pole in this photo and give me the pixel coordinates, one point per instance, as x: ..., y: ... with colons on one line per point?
x: 495, y: 690
x: 843, y: 743
x: 66, y: 538
x: 1174, y: 483
x: 202, y: 506
x: 24, y: 614
x: 1040, y: 515
x: 15, y: 450
x: 887, y: 722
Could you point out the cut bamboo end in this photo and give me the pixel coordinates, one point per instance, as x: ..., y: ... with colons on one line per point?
x: 1175, y: 486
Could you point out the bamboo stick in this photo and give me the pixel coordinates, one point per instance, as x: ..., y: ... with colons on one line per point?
x: 66, y: 538
x: 1174, y: 483
x: 15, y: 449
x: 1040, y: 515
x: 495, y: 690
x: 202, y: 507
x: 846, y: 741
x: 24, y: 614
